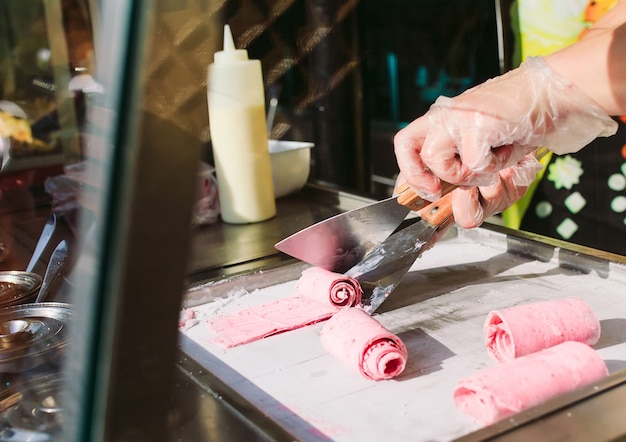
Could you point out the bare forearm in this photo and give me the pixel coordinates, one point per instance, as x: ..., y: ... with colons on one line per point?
x: 597, y: 63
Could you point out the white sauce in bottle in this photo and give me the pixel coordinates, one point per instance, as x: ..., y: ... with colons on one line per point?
x: 236, y: 100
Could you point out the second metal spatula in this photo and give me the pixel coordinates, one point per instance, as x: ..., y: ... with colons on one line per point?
x: 385, y: 266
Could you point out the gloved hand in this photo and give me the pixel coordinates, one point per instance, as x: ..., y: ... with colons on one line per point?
x: 468, y: 139
x: 472, y: 205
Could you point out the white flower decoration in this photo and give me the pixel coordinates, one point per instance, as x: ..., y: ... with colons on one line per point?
x: 564, y: 172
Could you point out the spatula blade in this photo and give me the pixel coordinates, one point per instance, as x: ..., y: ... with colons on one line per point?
x: 339, y: 242
x: 384, y: 267
x: 380, y: 272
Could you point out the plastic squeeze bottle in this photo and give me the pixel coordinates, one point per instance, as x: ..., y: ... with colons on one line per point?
x: 239, y: 134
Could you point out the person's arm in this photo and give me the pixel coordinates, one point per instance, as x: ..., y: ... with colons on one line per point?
x: 483, y: 137
x: 597, y: 63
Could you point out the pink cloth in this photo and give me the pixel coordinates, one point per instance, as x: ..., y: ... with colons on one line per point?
x: 362, y: 343
x: 524, y: 329
x: 513, y: 386
x: 319, y: 294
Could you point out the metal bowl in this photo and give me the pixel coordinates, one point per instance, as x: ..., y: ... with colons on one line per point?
x: 32, y: 334
x: 32, y: 410
x: 18, y: 287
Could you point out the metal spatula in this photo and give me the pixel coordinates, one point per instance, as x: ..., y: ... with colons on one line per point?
x: 384, y: 267
x: 338, y: 243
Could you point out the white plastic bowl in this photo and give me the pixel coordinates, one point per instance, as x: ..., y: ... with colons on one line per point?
x: 291, y: 162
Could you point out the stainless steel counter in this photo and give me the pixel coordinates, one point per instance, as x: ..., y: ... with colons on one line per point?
x: 595, y: 413
x: 223, y: 249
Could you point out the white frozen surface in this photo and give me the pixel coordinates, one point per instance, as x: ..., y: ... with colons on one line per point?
x: 438, y: 311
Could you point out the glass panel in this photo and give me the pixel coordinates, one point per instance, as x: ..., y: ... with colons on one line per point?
x: 100, y: 147
x: 48, y: 81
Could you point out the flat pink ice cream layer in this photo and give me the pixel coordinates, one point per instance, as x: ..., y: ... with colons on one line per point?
x: 363, y: 344
x: 319, y: 294
x: 523, y: 329
x: 265, y: 320
x: 514, y: 386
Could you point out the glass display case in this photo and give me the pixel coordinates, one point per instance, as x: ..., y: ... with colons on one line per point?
x: 91, y: 111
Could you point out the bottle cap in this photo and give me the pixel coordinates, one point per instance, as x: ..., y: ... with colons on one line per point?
x: 230, y: 54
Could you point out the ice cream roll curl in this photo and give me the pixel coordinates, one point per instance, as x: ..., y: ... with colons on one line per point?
x: 522, y: 329
x: 326, y: 286
x: 363, y: 344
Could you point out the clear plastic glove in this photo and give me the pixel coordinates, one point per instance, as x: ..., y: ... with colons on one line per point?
x: 468, y: 139
x: 472, y: 205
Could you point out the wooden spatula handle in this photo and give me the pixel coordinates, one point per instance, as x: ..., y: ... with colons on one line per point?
x: 408, y: 198
x: 438, y: 213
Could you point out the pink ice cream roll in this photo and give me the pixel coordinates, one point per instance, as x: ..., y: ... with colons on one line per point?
x: 326, y: 286
x: 319, y: 294
x: 514, y: 386
x: 523, y: 329
x: 362, y: 343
